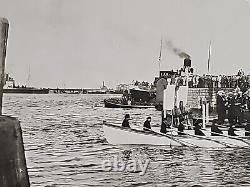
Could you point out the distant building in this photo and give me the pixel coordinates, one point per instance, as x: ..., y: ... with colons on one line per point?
x: 9, y: 82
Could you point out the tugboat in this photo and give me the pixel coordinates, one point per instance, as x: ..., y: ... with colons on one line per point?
x: 133, y: 98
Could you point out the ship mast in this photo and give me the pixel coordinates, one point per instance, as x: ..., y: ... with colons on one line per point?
x: 159, y: 60
x: 29, y: 77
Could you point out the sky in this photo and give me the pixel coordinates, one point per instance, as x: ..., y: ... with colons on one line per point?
x: 80, y: 43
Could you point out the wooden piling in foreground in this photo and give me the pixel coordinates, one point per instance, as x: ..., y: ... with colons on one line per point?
x: 13, y: 170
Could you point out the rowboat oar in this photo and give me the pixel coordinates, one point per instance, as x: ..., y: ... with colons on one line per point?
x: 230, y: 137
x: 183, y: 143
x: 207, y: 138
x: 180, y: 140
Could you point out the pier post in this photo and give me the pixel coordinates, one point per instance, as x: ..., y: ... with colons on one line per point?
x: 207, y: 112
x: 13, y: 170
x: 203, y: 112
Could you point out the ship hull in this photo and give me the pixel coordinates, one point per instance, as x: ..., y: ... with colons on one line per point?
x: 110, y: 104
x: 26, y: 91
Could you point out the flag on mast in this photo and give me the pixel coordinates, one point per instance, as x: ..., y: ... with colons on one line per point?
x: 209, y: 57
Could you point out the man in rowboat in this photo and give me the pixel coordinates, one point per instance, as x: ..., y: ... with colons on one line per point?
x: 125, y: 122
x: 146, y: 125
x: 231, y: 131
x: 197, y: 130
x: 215, y: 129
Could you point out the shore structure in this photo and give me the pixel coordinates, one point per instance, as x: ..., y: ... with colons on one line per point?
x: 13, y: 170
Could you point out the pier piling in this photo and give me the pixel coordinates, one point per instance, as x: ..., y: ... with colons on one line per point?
x: 13, y: 170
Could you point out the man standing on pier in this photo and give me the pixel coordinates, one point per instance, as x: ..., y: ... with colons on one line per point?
x: 221, y: 107
x: 237, y: 108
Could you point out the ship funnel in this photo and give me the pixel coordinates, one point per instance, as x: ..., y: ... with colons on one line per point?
x: 187, y: 62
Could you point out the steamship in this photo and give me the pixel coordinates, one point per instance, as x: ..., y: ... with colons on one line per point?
x: 165, y: 78
x: 10, y: 87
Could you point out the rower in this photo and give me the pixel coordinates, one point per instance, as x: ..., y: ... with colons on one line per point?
x: 215, y: 129
x: 231, y: 131
x: 146, y: 125
x: 197, y: 130
x: 164, y: 126
x: 247, y: 129
x: 181, y: 128
x: 125, y: 122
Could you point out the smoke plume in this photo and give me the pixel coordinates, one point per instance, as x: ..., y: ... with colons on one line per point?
x: 176, y: 50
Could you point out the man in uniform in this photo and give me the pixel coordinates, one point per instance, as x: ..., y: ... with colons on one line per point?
x: 221, y: 107
x: 237, y: 108
x: 231, y: 103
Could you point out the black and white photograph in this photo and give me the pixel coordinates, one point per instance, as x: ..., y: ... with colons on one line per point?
x: 123, y: 93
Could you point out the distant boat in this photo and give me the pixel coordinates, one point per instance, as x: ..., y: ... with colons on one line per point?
x: 26, y: 90
x: 134, y: 98
x: 110, y: 103
x: 10, y: 87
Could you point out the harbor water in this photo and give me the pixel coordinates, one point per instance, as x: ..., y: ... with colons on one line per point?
x: 65, y: 146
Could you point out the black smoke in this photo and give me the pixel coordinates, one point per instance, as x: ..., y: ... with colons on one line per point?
x: 176, y: 50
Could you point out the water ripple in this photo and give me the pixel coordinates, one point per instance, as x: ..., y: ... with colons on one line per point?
x: 65, y: 146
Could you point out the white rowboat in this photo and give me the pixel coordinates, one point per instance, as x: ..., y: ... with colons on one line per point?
x: 118, y: 135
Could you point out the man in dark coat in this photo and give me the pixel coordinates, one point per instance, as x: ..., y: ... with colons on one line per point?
x: 247, y: 129
x: 125, y: 122
x: 181, y: 128
x: 215, y: 129
x: 231, y: 131
x: 146, y: 125
x: 237, y: 108
x: 221, y: 107
x: 197, y: 130
x: 231, y: 103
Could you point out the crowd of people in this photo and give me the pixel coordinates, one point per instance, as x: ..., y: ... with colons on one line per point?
x: 211, y: 81
x: 233, y: 106
x: 221, y: 81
